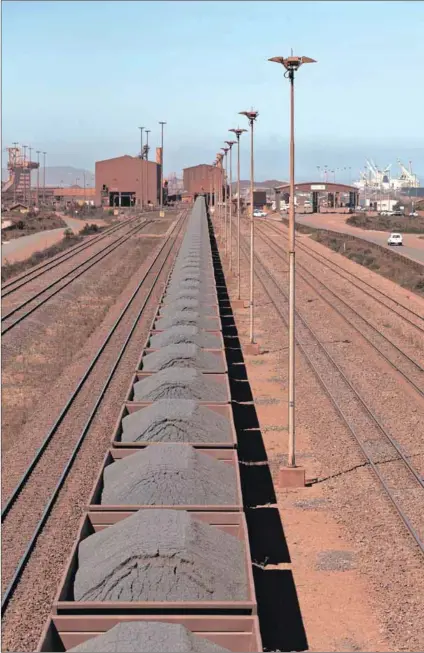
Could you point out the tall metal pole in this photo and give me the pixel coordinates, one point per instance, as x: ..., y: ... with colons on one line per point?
x: 252, y: 234
x: 291, y: 64
x: 238, y: 133
x: 44, y: 176
x: 225, y: 150
x: 147, y: 164
x: 291, y: 398
x: 24, y: 147
x: 141, y: 167
x: 38, y: 178
x: 230, y: 145
x: 29, y: 175
x: 161, y: 166
x: 14, y: 163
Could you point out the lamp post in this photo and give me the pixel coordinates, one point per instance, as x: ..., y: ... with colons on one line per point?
x: 162, y: 123
x: 225, y: 150
x: 238, y: 132
x: 141, y: 169
x: 147, y: 163
x: 38, y: 177
x: 44, y: 176
x: 251, y: 116
x: 230, y: 147
x: 24, y: 147
x: 292, y: 64
x: 219, y: 158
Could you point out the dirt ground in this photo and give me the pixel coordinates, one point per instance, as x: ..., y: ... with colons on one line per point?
x: 338, y: 593
x: 50, y: 339
x: 388, y: 223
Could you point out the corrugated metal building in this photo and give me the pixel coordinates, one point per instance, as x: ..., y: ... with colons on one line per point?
x: 122, y: 181
x: 198, y: 179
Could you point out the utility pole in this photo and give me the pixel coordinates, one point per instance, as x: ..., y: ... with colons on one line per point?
x: 141, y: 169
x: 251, y: 116
x: 44, y: 177
x: 162, y: 123
x: 230, y: 146
x: 291, y: 475
x: 38, y: 178
x: 147, y: 163
x: 238, y: 133
x: 24, y: 175
x: 29, y: 175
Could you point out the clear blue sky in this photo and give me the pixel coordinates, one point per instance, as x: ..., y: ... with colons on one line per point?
x: 80, y: 77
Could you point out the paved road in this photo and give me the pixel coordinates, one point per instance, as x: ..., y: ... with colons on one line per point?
x: 19, y: 249
x: 413, y: 247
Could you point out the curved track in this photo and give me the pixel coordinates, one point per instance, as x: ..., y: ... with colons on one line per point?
x: 8, y: 324
x: 401, y: 482
x: 15, y: 510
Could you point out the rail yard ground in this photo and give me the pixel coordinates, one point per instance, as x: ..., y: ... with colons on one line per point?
x: 333, y: 566
x: 347, y: 558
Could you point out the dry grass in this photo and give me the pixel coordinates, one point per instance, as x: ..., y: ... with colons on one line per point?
x: 388, y: 223
x: 371, y: 256
x: 25, y: 225
x: 9, y: 270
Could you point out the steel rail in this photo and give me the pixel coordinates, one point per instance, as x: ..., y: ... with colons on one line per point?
x: 47, y: 510
x: 345, y: 418
x: 101, y: 255
x: 342, y: 271
x: 280, y: 252
x: 45, y: 266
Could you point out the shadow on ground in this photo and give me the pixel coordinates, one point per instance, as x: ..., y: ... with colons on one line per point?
x: 279, y: 613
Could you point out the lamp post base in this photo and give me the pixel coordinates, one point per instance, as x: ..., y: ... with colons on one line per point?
x: 252, y: 348
x: 291, y: 477
x: 237, y: 303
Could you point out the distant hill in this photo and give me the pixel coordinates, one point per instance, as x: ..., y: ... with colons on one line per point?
x: 268, y: 183
x: 60, y: 176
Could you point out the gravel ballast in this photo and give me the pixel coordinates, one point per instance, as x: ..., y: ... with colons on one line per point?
x: 148, y: 637
x: 181, y: 355
x: 182, y: 318
x: 172, y: 474
x: 161, y: 555
x: 185, y: 334
x: 179, y: 383
x: 176, y: 420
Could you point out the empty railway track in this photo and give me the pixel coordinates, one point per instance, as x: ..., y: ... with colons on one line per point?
x: 36, y: 271
x: 23, y: 309
x: 410, y: 369
x: 401, y: 482
x: 29, y: 506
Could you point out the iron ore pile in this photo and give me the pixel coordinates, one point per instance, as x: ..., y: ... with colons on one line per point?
x: 162, y: 561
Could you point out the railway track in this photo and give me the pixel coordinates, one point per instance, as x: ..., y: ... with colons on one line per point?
x: 36, y: 271
x: 401, y: 482
x: 27, y: 509
x: 30, y: 305
x: 411, y: 317
x: 392, y: 354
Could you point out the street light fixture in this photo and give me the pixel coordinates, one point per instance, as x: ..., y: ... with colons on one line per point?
x: 251, y: 116
x: 238, y: 132
x: 162, y: 123
x: 225, y: 150
x: 292, y: 65
x: 230, y: 147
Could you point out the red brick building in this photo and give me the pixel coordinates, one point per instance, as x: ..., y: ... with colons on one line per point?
x: 124, y: 180
x: 198, y: 179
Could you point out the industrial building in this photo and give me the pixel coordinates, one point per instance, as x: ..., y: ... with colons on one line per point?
x: 202, y: 178
x: 126, y: 181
